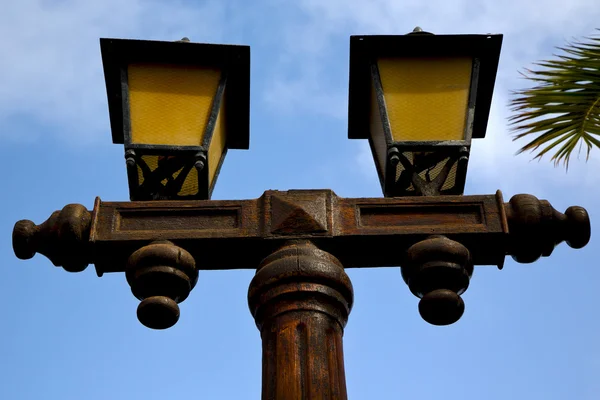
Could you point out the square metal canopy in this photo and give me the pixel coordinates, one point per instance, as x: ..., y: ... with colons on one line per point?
x: 234, y: 60
x: 364, y: 50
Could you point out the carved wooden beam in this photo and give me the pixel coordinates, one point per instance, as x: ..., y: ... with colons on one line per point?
x: 360, y: 232
x: 300, y: 241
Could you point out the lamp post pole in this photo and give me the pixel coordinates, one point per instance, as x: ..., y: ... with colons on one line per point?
x: 300, y: 299
x: 300, y: 242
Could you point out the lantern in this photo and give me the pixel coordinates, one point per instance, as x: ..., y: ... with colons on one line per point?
x: 177, y: 107
x: 419, y: 99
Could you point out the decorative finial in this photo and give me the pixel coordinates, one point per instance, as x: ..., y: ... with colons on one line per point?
x: 184, y: 39
x: 419, y: 31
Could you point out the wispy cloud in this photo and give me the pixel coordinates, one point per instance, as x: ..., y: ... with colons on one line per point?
x: 315, y: 41
x: 52, y: 74
x: 50, y: 60
x: 531, y: 29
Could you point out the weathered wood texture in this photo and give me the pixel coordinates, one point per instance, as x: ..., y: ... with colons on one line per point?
x: 300, y: 298
x: 360, y: 232
x: 363, y: 232
x: 160, y: 275
x: 438, y: 271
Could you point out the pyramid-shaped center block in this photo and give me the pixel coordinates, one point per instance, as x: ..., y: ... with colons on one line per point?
x: 299, y: 212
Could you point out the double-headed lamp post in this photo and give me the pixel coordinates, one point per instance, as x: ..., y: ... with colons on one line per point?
x: 178, y: 106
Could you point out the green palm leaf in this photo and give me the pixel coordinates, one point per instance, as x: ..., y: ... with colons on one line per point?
x: 562, y: 110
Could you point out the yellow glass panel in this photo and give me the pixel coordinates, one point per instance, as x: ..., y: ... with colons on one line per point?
x: 217, y: 144
x: 426, y: 98
x: 170, y: 104
x: 190, y: 184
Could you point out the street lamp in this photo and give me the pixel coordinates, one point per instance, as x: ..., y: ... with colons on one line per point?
x: 300, y: 241
x: 420, y: 99
x: 177, y: 107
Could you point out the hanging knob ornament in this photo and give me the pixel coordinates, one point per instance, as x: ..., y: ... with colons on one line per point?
x: 161, y: 275
x: 438, y: 271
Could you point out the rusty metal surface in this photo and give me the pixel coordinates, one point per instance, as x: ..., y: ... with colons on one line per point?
x: 300, y: 298
x: 438, y: 271
x: 63, y: 238
x: 301, y: 240
x: 536, y: 227
x: 361, y: 232
x: 160, y: 275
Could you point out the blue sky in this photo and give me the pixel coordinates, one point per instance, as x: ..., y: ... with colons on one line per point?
x: 529, y: 331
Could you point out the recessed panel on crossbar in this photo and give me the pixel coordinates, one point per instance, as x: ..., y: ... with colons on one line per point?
x: 186, y: 219
x: 423, y: 215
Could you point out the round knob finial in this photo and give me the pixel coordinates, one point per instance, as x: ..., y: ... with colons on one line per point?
x: 535, y: 227
x: 579, y: 227
x: 441, y: 307
x: 158, y: 312
x: 161, y: 275
x: 418, y: 31
x: 438, y: 270
x: 23, y: 234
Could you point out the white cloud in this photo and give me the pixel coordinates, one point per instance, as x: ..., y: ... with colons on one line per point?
x: 306, y: 94
x: 52, y: 74
x: 531, y: 29
x: 50, y: 65
x: 314, y: 33
x: 457, y: 16
x: 494, y: 163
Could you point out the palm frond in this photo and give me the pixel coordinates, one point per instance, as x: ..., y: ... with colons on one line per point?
x: 562, y: 110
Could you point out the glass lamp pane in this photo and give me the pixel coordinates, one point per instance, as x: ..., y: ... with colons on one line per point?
x: 170, y: 104
x: 426, y: 98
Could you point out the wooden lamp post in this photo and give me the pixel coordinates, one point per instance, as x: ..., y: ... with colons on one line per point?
x: 299, y: 242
